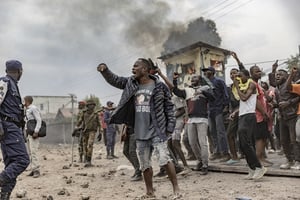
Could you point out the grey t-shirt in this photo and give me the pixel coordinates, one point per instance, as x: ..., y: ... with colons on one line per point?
x: 143, y: 128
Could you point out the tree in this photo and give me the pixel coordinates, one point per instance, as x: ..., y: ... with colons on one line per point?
x: 197, y: 30
x: 293, y: 61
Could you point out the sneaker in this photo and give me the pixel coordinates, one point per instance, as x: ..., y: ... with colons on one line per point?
x: 259, y: 173
x: 36, y: 174
x: 287, y: 165
x: 198, y: 167
x: 178, y: 169
x: 116, y: 157
x: 185, y: 171
x: 137, y: 177
x: 204, y: 171
x: 296, y: 165
x: 232, y: 162
x: 271, y: 151
x: 250, y: 174
x: 109, y: 157
x: 30, y: 174
x: 161, y: 173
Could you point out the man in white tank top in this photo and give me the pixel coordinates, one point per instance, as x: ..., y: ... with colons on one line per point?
x: 247, y: 122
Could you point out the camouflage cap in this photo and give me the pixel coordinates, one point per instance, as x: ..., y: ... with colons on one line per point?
x: 90, y: 102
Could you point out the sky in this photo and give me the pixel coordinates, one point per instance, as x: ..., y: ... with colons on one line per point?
x: 60, y: 43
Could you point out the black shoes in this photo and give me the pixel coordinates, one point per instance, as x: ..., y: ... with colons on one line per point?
x: 136, y: 177
x: 36, y: 174
x: 198, y: 167
x: 204, y: 171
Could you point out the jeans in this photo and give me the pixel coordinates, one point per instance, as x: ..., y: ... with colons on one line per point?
x: 111, y: 141
x: 247, y: 124
x: 129, y: 150
x: 291, y: 148
x: 197, y: 134
x: 218, y: 133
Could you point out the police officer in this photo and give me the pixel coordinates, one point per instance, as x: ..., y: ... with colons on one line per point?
x: 13, y: 147
x: 90, y: 123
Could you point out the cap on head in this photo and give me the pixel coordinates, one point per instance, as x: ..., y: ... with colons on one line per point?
x: 109, y: 103
x: 90, y: 102
x: 81, y: 102
x: 210, y: 68
x: 13, y: 65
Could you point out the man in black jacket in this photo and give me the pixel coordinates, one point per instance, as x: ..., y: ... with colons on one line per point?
x: 145, y: 105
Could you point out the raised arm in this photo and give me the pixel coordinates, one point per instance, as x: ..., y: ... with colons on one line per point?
x: 166, y: 80
x: 111, y: 78
x: 178, y: 92
x: 240, y: 64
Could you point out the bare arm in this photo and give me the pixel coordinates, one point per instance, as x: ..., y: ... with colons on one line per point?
x: 245, y: 96
x: 167, y: 81
x: 240, y: 64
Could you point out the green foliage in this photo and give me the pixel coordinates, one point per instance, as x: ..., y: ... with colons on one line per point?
x: 293, y: 61
x: 96, y: 99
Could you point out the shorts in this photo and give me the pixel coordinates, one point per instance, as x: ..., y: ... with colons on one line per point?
x: 144, y: 149
x: 176, y: 135
x: 261, y: 131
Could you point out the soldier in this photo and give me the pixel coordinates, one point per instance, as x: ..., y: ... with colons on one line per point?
x: 81, y: 108
x: 13, y: 147
x: 89, y: 121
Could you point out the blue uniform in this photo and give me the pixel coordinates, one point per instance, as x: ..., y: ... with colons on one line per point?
x: 13, y: 147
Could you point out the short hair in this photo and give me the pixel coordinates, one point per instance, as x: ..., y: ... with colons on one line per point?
x: 282, y: 70
x: 146, y: 62
x: 252, y: 68
x: 29, y: 99
x: 236, y: 69
x: 245, y: 72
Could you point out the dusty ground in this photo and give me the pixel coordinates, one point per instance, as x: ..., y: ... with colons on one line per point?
x: 104, y: 181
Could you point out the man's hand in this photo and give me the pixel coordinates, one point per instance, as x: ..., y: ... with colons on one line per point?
x: 233, y: 54
x: 274, y: 66
x: 35, y: 135
x: 101, y: 67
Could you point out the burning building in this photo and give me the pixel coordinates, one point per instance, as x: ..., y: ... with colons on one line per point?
x: 190, y: 60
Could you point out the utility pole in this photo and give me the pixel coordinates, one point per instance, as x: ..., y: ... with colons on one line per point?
x: 73, y: 100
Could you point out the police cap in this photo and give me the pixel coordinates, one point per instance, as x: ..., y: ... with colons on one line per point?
x: 13, y: 65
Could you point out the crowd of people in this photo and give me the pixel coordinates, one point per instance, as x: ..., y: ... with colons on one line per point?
x: 247, y: 119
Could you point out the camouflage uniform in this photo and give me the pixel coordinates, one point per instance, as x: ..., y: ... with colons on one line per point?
x: 81, y: 108
x: 90, y: 123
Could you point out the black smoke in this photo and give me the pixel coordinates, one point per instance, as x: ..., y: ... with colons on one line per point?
x: 197, y: 30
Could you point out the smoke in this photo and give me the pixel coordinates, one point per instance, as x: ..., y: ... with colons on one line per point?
x: 197, y: 30
x: 141, y: 26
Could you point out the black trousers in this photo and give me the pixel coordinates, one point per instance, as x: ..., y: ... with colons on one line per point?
x: 247, y: 126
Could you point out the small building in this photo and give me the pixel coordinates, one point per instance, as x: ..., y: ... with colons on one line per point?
x: 189, y: 61
x: 49, y: 105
